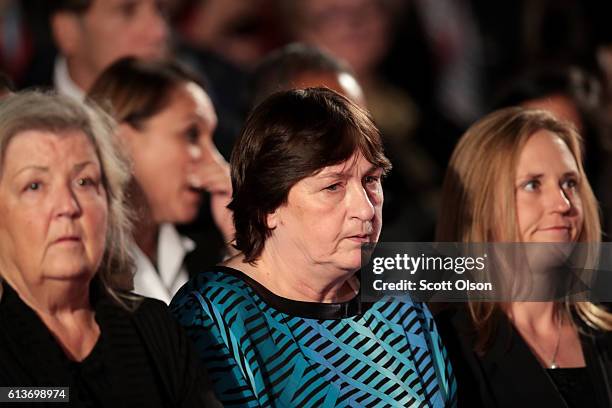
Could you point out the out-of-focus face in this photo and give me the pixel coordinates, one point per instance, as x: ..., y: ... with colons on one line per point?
x: 561, y: 106
x: 53, y: 208
x: 113, y: 29
x: 548, y: 203
x: 170, y: 151
x: 343, y: 83
x: 353, y: 30
x: 329, y: 215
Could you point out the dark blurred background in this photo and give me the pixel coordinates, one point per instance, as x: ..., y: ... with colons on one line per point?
x: 428, y: 69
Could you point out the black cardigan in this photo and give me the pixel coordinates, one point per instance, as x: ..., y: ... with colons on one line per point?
x: 142, y: 358
x: 508, y: 374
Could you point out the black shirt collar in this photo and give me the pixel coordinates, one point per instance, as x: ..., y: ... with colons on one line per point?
x: 308, y: 310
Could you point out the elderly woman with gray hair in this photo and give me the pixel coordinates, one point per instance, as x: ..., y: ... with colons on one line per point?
x: 65, y: 317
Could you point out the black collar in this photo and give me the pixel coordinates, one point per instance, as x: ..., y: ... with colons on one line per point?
x: 308, y: 310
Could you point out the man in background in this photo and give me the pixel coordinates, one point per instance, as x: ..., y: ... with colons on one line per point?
x: 92, y: 34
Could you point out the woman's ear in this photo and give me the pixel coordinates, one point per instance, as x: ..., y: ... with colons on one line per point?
x: 272, y: 219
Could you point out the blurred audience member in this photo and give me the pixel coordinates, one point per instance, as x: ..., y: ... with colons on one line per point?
x: 569, y: 93
x: 575, y: 96
x: 15, y: 39
x: 92, y: 34
x: 451, y: 29
x: 6, y: 85
x: 166, y: 125
x: 360, y: 32
x: 299, y: 66
x: 223, y: 39
x: 240, y: 31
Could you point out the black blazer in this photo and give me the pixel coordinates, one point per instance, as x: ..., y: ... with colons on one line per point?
x: 509, y: 375
x: 143, y: 358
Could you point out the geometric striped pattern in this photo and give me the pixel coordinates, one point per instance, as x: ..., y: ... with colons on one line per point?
x: 257, y: 356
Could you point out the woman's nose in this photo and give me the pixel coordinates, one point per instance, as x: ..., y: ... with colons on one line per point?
x: 195, y: 152
x: 560, y: 201
x: 362, y: 205
x: 66, y: 203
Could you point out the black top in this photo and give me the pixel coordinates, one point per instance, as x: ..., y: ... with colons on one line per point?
x: 574, y: 385
x: 509, y: 375
x: 142, y: 358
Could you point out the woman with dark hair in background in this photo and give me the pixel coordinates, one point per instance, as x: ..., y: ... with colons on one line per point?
x: 166, y: 122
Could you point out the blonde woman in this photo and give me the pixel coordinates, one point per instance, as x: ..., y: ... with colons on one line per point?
x: 517, y: 176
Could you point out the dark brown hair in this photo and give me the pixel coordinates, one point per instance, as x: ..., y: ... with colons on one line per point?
x: 75, y: 6
x: 290, y: 136
x: 136, y: 90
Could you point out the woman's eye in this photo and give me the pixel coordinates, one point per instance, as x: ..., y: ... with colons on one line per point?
x: 531, y: 185
x: 333, y: 187
x: 33, y: 186
x: 371, y: 179
x: 85, y: 182
x: 569, y: 184
x: 193, y: 135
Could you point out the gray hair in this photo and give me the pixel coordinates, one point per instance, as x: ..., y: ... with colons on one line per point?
x: 51, y: 112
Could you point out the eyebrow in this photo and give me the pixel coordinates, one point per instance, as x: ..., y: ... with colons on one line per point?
x: 530, y: 176
x: 540, y: 175
x: 77, y: 167
x: 340, y: 174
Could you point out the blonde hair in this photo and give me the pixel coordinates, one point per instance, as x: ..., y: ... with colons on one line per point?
x: 55, y: 113
x: 483, y: 165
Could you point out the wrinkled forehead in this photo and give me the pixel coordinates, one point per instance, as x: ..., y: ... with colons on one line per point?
x: 356, y: 164
x: 34, y: 146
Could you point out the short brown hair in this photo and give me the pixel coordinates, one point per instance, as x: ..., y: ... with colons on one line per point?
x: 290, y: 136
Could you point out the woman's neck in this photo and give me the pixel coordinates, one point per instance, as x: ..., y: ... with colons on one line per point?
x: 52, y: 296
x: 146, y: 229
x: 535, y: 316
x: 146, y: 237
x: 296, y: 281
x: 64, y: 308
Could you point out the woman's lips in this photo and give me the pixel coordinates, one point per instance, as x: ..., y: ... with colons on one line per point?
x: 561, y: 232
x: 364, y: 238
x: 68, y: 239
x: 556, y: 228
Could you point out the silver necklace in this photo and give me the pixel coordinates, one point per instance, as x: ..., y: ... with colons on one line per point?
x: 553, y: 363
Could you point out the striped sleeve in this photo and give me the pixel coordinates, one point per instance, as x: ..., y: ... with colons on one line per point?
x: 217, y: 347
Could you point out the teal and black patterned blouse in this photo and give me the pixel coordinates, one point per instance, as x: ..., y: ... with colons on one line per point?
x: 262, y: 350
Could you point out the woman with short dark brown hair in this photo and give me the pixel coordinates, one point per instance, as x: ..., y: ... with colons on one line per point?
x: 283, y: 323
